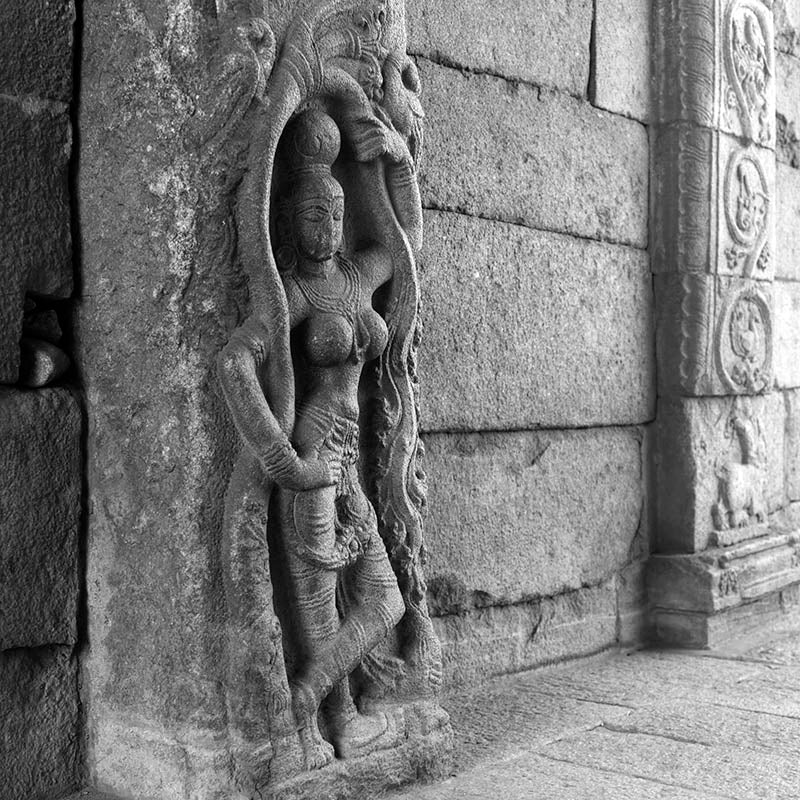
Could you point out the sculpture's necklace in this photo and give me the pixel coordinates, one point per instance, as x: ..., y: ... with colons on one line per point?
x: 344, y: 303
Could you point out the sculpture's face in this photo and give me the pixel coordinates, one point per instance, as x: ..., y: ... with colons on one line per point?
x: 318, y: 221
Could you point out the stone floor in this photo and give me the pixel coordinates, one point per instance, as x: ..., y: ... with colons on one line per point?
x: 671, y: 725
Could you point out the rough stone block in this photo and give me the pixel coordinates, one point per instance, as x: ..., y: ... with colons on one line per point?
x: 792, y: 402
x: 40, y: 464
x: 787, y: 334
x: 632, y: 604
x: 549, y: 47
x: 787, y: 262
x: 39, y: 734
x: 706, y: 448
x: 36, y: 56
x: 520, y: 515
x: 622, y: 48
x: 696, y: 630
x: 787, y: 25
x: 35, y: 238
x: 542, y: 159
x: 500, y: 640
x: 12, y: 298
x: 558, y: 333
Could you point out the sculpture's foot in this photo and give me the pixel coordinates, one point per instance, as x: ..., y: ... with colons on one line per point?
x: 252, y: 764
x: 317, y: 753
x: 362, y: 734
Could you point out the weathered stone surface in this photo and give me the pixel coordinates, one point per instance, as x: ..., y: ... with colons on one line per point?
x: 501, y: 639
x: 788, y: 88
x: 538, y: 158
x: 546, y: 46
x: 788, y: 106
x: 536, y: 777
x: 696, y: 441
x: 36, y: 57
x: 787, y: 334
x: 520, y: 515
x: 531, y: 736
x: 730, y: 727
x: 787, y: 260
x: 701, y: 631
x: 632, y: 604
x: 35, y: 237
x: 787, y: 25
x: 40, y: 462
x: 747, y: 775
x: 792, y: 402
x: 543, y: 343
x: 622, y: 51
x: 39, y: 725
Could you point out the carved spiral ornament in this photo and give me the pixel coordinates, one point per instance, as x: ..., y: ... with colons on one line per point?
x: 744, y: 342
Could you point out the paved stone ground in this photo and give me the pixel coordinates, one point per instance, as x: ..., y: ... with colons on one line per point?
x: 671, y: 725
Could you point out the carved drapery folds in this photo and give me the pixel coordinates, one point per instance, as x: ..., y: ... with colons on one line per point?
x: 331, y: 652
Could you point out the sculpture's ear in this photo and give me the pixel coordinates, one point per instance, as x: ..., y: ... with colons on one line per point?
x: 285, y: 251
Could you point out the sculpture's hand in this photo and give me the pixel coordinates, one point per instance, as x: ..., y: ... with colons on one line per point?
x: 376, y: 139
x: 311, y: 474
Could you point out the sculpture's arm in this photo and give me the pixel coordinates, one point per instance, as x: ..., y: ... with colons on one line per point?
x: 239, y: 365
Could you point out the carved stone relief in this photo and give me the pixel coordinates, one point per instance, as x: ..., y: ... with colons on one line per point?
x: 717, y: 66
x: 329, y: 636
x: 715, y: 182
x: 748, y: 84
x: 744, y: 341
x: 740, y: 511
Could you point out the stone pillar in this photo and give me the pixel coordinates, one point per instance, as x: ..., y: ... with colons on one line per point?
x: 727, y: 556
x: 182, y: 107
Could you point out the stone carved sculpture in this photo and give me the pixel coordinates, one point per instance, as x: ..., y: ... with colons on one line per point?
x: 749, y: 67
x: 741, y: 499
x: 322, y: 545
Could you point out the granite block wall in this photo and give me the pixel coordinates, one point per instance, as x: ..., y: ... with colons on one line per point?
x: 40, y: 428
x: 537, y: 363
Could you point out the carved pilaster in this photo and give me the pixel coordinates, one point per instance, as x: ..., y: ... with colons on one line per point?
x: 714, y: 188
x: 713, y: 255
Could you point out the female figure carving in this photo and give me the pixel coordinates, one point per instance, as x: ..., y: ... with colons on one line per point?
x: 340, y: 593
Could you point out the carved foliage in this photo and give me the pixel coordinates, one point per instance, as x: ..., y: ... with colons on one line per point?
x: 748, y: 107
x: 746, y: 196
x: 743, y: 341
x: 714, y: 193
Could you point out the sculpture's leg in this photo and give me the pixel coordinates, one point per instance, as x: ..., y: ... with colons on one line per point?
x: 332, y: 649
x: 258, y: 699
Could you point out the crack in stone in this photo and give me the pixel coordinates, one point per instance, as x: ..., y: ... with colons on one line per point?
x: 614, y: 728
x: 439, y: 59
x: 626, y: 773
x: 519, y: 223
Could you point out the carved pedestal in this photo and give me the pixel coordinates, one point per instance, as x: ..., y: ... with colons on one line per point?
x: 723, y: 546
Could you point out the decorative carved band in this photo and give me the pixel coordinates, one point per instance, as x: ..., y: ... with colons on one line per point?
x: 714, y: 184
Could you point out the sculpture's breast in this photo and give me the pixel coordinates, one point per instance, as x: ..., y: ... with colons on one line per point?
x: 331, y: 339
